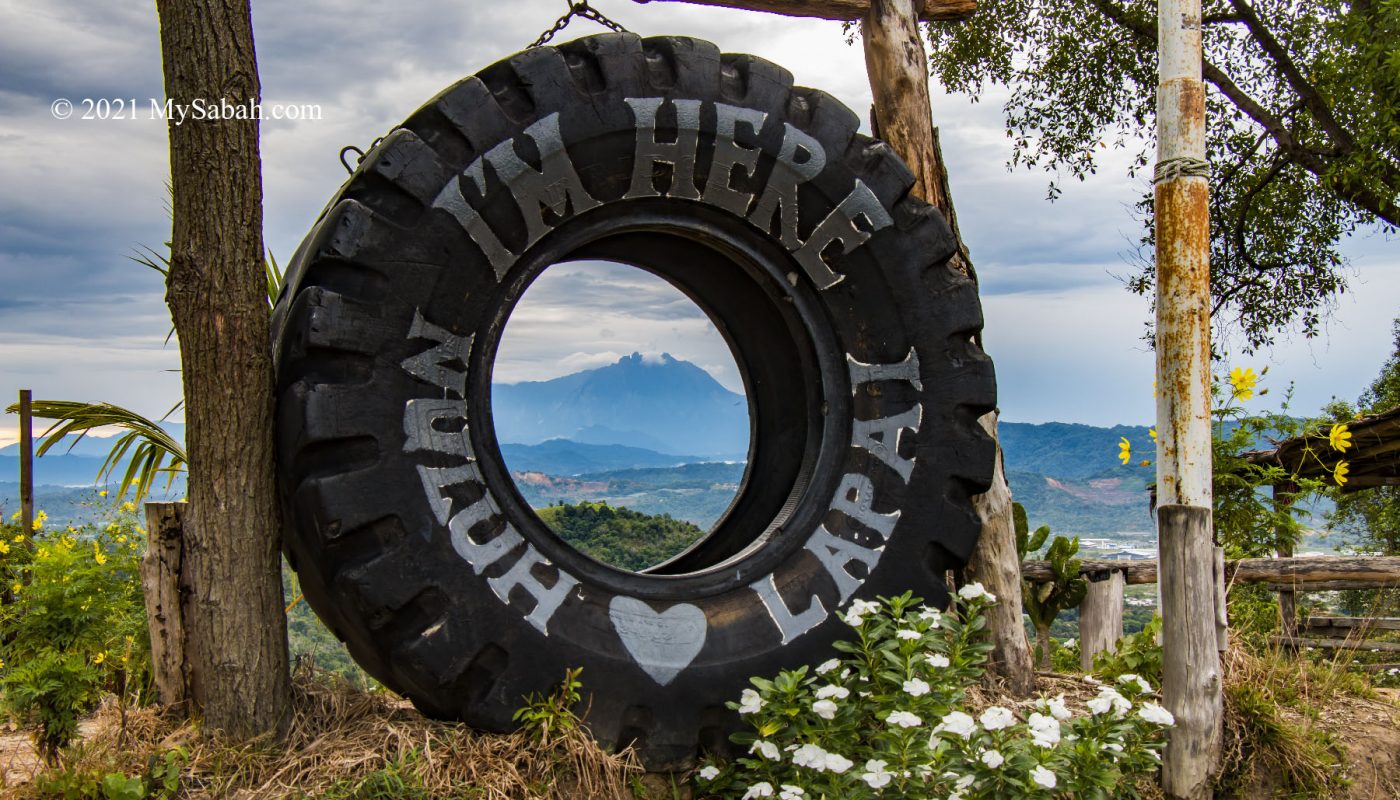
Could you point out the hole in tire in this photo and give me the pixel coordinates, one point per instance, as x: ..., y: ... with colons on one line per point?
x: 620, y: 412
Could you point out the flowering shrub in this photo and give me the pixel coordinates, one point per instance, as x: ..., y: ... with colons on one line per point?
x: 75, y: 624
x: 885, y: 719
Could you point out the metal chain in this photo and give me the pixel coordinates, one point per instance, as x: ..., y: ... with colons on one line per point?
x: 579, y: 9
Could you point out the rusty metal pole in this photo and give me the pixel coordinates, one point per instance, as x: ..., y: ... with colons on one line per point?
x: 26, y: 461
x: 1191, y: 662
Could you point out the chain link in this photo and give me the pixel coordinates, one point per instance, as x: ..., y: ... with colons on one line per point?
x: 579, y: 9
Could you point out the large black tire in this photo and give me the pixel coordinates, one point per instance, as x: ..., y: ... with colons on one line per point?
x: 856, y: 340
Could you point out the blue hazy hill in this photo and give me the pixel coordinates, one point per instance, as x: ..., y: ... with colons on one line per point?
x: 665, y: 404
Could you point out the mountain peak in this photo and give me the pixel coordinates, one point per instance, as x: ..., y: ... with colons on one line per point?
x: 648, y: 360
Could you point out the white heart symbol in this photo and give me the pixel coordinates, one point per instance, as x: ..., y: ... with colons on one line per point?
x: 661, y: 644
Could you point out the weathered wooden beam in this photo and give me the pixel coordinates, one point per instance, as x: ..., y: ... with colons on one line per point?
x: 1363, y: 623
x: 845, y: 10
x: 1334, y: 586
x: 1338, y: 644
x: 160, y: 582
x: 1301, y: 573
x: 1315, y: 569
x: 1134, y: 572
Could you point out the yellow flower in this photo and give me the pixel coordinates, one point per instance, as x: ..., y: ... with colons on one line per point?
x: 19, y: 538
x: 1340, y: 473
x: 17, y: 588
x: 4, y: 548
x: 14, y: 517
x: 1125, y: 450
x: 100, y: 657
x: 129, y: 507
x: 1243, y: 381
x: 1340, y: 437
x: 98, y: 555
x: 1153, y: 433
x: 40, y: 519
x: 2, y: 663
x: 102, y: 493
x: 1144, y: 463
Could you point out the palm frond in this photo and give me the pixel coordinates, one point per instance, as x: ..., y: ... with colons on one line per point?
x: 152, y: 449
x: 275, y: 279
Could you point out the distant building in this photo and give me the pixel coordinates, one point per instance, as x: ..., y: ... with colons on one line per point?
x: 1131, y: 554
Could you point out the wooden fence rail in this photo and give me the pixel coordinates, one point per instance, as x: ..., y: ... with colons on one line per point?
x: 1302, y: 572
x: 1101, y: 615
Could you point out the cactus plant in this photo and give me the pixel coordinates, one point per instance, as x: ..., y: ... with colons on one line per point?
x: 1044, y: 601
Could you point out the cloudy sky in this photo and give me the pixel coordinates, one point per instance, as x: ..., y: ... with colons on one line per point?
x: 80, y: 320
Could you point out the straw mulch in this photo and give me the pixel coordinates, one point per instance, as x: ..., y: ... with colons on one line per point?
x: 342, y: 742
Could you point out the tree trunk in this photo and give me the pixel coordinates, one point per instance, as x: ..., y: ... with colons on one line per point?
x: 236, y: 634
x: 1042, y: 642
x: 898, y: 68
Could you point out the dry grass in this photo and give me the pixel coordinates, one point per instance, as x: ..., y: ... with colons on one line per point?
x: 344, y: 742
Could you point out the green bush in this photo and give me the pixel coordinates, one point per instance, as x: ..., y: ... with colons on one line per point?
x: 75, y: 627
x: 886, y: 719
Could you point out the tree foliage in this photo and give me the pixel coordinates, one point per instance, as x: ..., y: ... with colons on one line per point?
x: 1303, y: 126
x: 619, y: 536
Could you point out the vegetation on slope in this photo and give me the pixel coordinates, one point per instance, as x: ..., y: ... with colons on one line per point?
x: 618, y: 536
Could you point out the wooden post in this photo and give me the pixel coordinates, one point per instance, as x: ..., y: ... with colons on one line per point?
x: 26, y: 461
x: 1284, y: 494
x: 1191, y: 677
x: 1100, y: 618
x: 1222, y: 611
x: 898, y: 68
x: 160, y: 582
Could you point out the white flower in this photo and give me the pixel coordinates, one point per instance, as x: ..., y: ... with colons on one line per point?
x: 846, y: 673
x: 838, y: 763
x: 1156, y: 715
x: 766, y: 749
x: 790, y: 792
x: 810, y: 755
x: 832, y: 690
x: 904, y: 719
x: 827, y: 666
x: 907, y: 634
x: 1056, y: 706
x: 1045, y: 731
x: 964, y: 782
x: 996, y: 718
x: 972, y: 591
x: 1129, y: 679
x: 762, y: 789
x: 826, y: 709
x: 1070, y: 643
x: 992, y: 758
x: 958, y: 724
x: 1107, y: 700
x: 1044, y: 777
x: 936, y: 660
x: 750, y: 702
x: 916, y: 687
x: 930, y: 614
x: 709, y: 773
x: 876, y: 776
x: 864, y: 607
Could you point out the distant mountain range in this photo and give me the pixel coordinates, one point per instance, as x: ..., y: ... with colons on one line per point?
x: 660, y: 435
x: 662, y: 404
